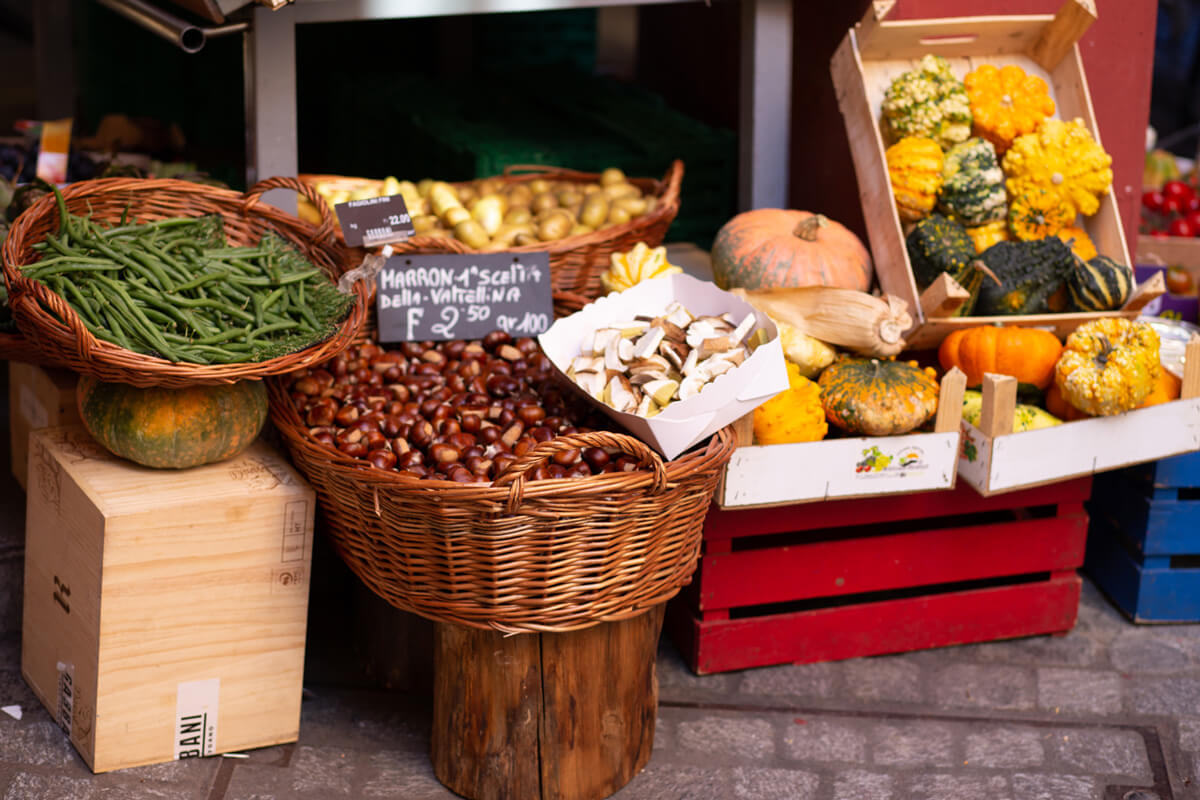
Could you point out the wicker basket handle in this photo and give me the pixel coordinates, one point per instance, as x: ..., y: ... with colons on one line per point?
x: 544, y: 169
x: 515, y: 473
x: 326, y: 227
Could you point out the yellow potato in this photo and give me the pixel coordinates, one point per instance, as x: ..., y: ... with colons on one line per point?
x: 525, y: 239
x: 424, y: 223
x: 517, y: 215
x: 636, y: 206
x: 578, y: 229
x: 442, y: 197
x: 424, y: 186
x: 553, y: 227
x: 595, y: 209
x: 544, y: 201
x: 488, y: 211
x: 455, y: 215
x: 487, y: 186
x: 618, y: 216
x: 519, y: 194
x: 539, y: 185
x: 569, y: 197
x: 471, y: 233
x: 466, y: 193
x: 611, y: 176
x: 616, y: 191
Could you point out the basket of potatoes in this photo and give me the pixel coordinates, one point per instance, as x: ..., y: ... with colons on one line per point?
x: 580, y: 218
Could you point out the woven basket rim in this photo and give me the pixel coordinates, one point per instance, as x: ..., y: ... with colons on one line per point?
x: 666, y: 189
x: 84, y: 353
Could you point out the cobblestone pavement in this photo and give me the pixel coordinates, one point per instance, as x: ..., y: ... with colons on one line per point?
x: 1108, y: 711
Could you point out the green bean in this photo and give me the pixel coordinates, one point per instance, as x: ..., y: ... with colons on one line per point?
x: 275, y: 326
x: 200, y: 280
x: 114, y: 328
x: 224, y: 336
x: 136, y: 319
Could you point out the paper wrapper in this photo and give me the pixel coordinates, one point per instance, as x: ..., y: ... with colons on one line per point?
x: 683, y: 423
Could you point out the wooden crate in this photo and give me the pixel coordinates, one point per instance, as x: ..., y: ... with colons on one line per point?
x: 854, y: 578
x: 838, y: 468
x: 993, y: 459
x: 1144, y: 539
x: 165, y: 610
x: 876, y: 51
x: 38, y: 397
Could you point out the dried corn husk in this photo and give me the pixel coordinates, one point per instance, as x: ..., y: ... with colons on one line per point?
x: 864, y: 323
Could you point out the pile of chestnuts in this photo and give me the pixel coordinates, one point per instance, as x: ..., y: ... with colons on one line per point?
x: 459, y: 410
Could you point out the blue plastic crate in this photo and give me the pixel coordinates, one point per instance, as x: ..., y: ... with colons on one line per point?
x: 1144, y: 539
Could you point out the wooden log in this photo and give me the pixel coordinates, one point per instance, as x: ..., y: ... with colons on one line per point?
x: 555, y: 716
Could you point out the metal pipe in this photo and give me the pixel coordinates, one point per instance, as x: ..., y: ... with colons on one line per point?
x: 181, y: 33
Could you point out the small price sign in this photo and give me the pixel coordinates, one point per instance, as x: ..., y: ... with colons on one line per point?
x: 463, y: 296
x: 374, y: 221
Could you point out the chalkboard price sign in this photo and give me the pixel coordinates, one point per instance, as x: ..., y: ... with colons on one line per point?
x: 463, y: 296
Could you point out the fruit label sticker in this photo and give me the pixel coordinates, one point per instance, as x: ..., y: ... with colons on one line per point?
x: 463, y: 296
x: 374, y: 221
x: 877, y: 463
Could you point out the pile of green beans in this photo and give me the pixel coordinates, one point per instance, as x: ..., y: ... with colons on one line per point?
x: 175, y: 289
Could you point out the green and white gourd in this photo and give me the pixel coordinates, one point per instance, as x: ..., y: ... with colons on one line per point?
x: 973, y: 187
x: 928, y: 101
x: 1099, y: 284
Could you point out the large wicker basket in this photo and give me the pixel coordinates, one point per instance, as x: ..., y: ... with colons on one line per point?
x: 576, y: 262
x: 48, y: 322
x: 516, y: 555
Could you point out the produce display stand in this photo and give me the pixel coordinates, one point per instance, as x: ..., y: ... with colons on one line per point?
x: 838, y: 468
x: 994, y: 459
x: 875, y: 52
x: 851, y: 578
x: 1144, y: 542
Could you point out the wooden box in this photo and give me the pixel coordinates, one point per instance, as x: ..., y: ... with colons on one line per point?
x: 165, y: 610
x: 859, y: 466
x: 853, y: 578
x: 876, y: 51
x: 38, y: 397
x: 1144, y: 539
x: 993, y: 459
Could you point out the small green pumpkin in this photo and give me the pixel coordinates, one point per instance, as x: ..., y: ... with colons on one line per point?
x: 973, y: 184
x: 877, y: 397
x: 936, y: 245
x: 1099, y: 284
x: 173, y: 428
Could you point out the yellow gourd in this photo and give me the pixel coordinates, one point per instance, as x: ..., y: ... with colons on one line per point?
x: 1108, y: 366
x: 642, y: 263
x: 794, y: 415
x: 915, y: 169
x: 1006, y: 102
x: 984, y: 236
x: 1062, y: 159
x: 1037, y: 213
x: 1081, y: 244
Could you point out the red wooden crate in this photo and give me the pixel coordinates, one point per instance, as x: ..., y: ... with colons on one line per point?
x: 851, y: 578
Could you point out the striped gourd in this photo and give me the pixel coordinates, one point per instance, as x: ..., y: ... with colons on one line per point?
x: 973, y: 187
x: 1099, y: 284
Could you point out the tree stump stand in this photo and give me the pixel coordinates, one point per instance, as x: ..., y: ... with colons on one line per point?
x: 550, y: 716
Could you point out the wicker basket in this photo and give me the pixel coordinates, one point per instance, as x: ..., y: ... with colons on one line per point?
x: 576, y: 262
x: 516, y: 556
x: 15, y: 347
x: 59, y: 335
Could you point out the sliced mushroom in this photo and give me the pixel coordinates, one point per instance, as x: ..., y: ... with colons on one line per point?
x: 689, y: 363
x: 647, y: 407
x: 647, y: 344
x: 678, y: 314
x: 592, y: 382
x: 674, y: 352
x: 710, y: 368
x: 619, y: 394
x: 632, y: 327
x: 717, y: 344
x: 587, y: 364
x: 612, y: 354
x: 743, y: 328
x: 691, y: 386
x: 698, y: 331
x: 662, y: 390
x: 601, y: 339
x: 651, y: 363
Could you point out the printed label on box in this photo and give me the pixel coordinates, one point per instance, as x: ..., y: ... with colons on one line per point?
x: 196, y: 705
x: 295, y: 530
x: 66, y: 696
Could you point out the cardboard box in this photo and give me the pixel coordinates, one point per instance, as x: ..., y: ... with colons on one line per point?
x: 165, y: 610
x: 875, y: 51
x: 38, y: 397
x: 995, y: 460
x: 859, y: 466
x: 683, y: 423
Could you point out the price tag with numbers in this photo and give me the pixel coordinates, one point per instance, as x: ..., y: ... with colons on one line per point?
x: 463, y: 296
x: 373, y: 221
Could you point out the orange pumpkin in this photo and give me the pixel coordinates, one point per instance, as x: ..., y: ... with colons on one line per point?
x: 1027, y: 354
x: 1166, y: 389
x: 1057, y: 405
x: 776, y: 248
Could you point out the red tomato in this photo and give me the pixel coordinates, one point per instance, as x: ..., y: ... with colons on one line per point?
x: 1172, y: 206
x: 1178, y: 189
x: 1192, y: 217
x: 1153, y: 200
x: 1192, y: 203
x: 1180, y: 226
